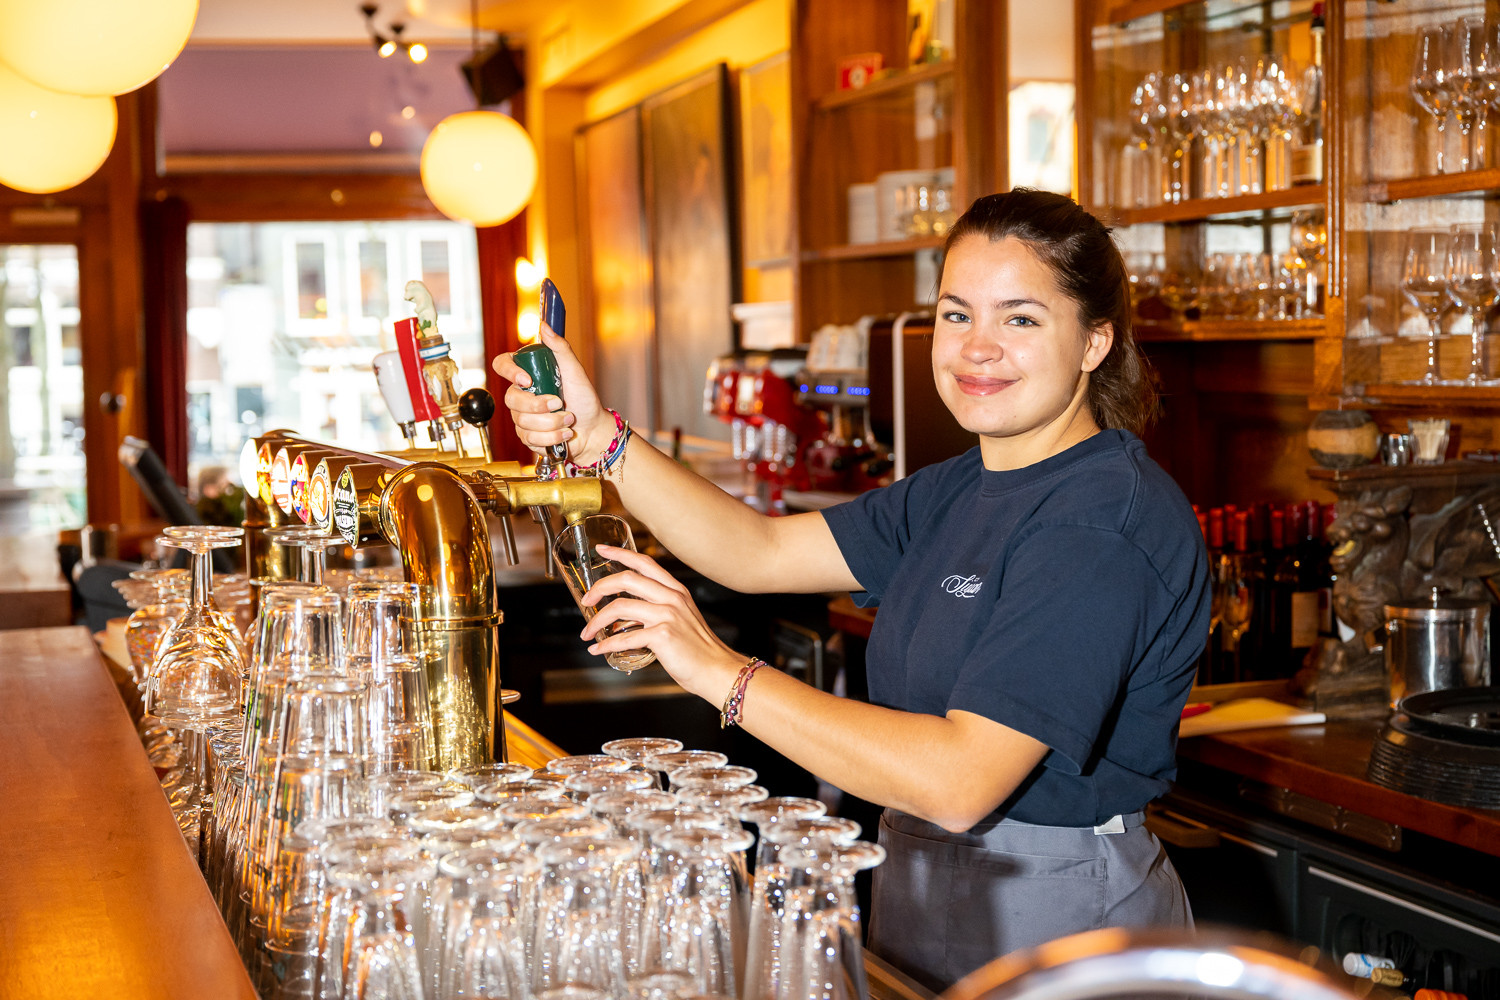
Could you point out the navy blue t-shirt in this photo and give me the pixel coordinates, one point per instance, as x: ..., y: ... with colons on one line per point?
x: 1068, y: 600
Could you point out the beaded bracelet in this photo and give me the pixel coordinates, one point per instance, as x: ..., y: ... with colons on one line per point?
x: 614, y: 453
x: 734, y: 703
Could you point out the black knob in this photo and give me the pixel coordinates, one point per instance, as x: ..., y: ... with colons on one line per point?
x: 476, y: 406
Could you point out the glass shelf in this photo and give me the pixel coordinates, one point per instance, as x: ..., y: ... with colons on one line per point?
x: 1204, y: 330
x: 1207, y: 209
x: 1472, y: 182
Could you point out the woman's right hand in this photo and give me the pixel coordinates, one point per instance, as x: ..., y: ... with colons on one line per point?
x: 584, y: 425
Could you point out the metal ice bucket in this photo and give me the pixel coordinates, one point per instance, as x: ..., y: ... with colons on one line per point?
x: 1436, y: 644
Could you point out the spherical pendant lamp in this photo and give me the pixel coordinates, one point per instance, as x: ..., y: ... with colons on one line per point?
x: 50, y: 141
x: 93, y: 47
x: 479, y: 167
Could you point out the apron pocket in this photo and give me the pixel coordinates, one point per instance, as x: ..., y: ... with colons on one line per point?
x: 943, y: 907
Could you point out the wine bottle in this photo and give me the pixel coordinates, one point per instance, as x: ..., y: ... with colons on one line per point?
x: 1244, y: 574
x: 1307, y: 144
x: 1281, y: 584
x: 1214, y: 673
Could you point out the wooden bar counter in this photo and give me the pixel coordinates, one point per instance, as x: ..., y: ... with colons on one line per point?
x: 1327, y: 763
x: 99, y: 896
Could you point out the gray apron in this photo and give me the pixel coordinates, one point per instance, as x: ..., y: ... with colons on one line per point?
x: 943, y: 904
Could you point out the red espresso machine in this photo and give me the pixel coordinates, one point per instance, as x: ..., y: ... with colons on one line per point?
x: 770, y: 431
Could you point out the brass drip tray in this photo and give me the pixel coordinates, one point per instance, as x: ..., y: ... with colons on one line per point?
x: 602, y: 684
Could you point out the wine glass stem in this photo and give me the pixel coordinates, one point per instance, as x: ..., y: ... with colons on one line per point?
x: 1434, y: 331
x: 202, y: 593
x: 1442, y: 137
x: 1476, y: 346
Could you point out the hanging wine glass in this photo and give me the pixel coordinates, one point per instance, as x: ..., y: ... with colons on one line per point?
x: 1430, y: 85
x: 1177, y: 118
x: 1466, y: 79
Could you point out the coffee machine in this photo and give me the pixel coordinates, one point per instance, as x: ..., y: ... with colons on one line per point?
x: 836, y: 381
x: 770, y: 430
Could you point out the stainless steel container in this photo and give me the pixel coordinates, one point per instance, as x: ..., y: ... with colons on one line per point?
x: 1436, y: 644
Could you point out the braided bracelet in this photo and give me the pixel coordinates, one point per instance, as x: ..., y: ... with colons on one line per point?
x: 613, y: 453
x: 734, y: 703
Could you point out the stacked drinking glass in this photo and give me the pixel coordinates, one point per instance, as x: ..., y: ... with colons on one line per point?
x: 346, y: 868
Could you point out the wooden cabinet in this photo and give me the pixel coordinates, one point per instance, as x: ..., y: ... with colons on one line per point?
x: 1352, y: 339
x: 929, y: 117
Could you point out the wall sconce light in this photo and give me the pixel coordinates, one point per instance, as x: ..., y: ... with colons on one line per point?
x: 96, y: 48
x: 529, y: 325
x: 528, y: 276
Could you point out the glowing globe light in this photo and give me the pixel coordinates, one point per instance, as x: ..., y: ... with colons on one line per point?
x: 93, y: 47
x: 50, y: 141
x: 479, y: 167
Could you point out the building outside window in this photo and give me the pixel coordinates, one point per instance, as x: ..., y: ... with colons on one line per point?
x: 284, y: 319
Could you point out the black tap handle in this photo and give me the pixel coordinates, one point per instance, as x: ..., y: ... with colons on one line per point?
x: 477, y: 407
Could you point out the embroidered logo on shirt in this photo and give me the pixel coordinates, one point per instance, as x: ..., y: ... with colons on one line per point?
x: 963, y: 586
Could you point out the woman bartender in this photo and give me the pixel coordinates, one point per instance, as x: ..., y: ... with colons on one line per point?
x: 1043, y: 599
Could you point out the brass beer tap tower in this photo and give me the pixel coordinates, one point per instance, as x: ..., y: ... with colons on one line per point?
x: 430, y: 505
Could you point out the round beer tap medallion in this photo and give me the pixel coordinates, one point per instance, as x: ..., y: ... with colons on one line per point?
x: 319, y: 502
x: 281, y: 481
x: 346, y: 508
x: 297, y: 486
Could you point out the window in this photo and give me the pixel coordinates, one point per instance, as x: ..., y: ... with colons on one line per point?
x: 285, y: 318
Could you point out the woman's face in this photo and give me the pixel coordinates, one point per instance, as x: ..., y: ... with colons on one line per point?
x: 1009, y: 355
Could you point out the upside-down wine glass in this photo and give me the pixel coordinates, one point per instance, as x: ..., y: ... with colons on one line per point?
x: 195, y: 681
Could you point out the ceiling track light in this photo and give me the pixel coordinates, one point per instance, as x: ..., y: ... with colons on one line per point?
x: 387, y: 45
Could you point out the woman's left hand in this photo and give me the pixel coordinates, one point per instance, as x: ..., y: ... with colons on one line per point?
x: 671, y: 625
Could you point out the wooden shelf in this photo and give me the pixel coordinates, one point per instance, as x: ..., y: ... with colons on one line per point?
x: 1202, y: 209
x: 1203, y: 330
x: 1473, y: 182
x: 870, y: 251
x: 899, y: 80
x: 1375, y: 473
x: 1124, y: 11
x: 1403, y: 394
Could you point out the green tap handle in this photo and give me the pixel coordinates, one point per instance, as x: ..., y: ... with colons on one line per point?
x: 541, y: 364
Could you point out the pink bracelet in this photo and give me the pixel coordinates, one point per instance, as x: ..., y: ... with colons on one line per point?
x: 734, y: 704
x: 612, y: 452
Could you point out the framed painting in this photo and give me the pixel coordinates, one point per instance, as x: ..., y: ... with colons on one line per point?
x: 686, y: 160
x: 766, y: 161
x: 618, y: 294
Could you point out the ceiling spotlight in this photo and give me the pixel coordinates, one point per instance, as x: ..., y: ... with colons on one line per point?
x: 417, y: 51
x: 385, y: 46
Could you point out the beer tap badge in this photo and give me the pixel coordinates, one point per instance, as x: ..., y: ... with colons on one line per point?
x: 281, y: 485
x: 346, y: 508
x: 318, y: 500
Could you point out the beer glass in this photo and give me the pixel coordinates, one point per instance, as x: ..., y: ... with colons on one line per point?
x: 576, y: 552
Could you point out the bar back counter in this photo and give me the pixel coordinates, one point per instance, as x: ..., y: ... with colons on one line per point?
x: 99, y: 895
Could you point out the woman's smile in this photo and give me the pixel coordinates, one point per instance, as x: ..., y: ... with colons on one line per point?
x: 982, y: 385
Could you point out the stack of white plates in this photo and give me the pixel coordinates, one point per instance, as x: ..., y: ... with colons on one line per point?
x: 864, y: 221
